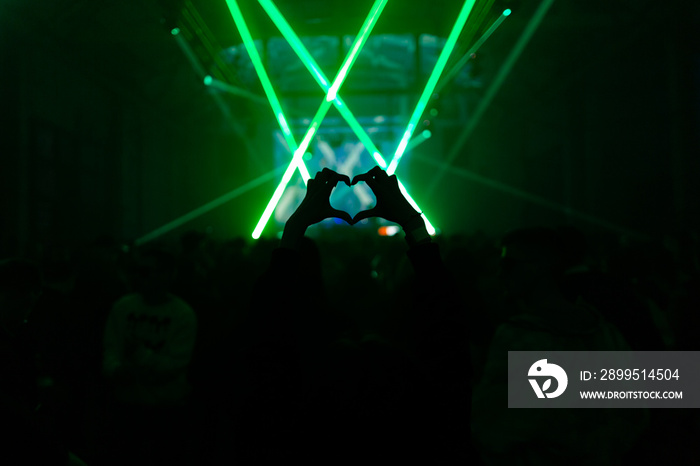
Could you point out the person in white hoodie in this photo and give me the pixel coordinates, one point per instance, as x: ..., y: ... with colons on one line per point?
x: 148, y: 343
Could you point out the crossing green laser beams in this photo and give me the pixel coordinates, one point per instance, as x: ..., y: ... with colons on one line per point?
x: 360, y: 40
x: 265, y: 80
x: 207, y: 207
x: 277, y: 195
x: 432, y: 82
x: 318, y: 75
x: 316, y: 72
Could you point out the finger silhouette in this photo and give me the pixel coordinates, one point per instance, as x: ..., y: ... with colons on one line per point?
x: 373, y: 212
x: 363, y: 177
x: 331, y: 177
x: 368, y: 177
x: 344, y: 178
x: 342, y: 215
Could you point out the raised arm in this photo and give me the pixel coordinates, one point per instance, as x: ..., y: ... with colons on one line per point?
x: 440, y: 325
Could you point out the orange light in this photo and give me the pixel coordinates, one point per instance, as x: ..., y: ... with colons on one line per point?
x: 390, y: 230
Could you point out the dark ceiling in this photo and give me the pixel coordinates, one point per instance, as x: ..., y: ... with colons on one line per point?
x: 127, y: 43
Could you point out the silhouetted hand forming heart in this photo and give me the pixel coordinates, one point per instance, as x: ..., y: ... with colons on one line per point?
x: 315, y: 207
x: 391, y: 203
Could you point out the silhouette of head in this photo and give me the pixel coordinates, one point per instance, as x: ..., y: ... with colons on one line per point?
x: 530, y: 260
x: 155, y: 270
x: 574, y: 246
x: 192, y: 241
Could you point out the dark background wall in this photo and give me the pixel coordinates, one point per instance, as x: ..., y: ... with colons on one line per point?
x: 599, y: 115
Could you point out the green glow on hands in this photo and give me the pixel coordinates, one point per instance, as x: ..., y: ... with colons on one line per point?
x: 265, y: 80
x: 432, y: 82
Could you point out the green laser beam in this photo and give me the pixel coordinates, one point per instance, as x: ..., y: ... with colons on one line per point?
x: 422, y: 137
x: 493, y: 89
x: 225, y: 109
x: 189, y: 53
x: 191, y: 13
x: 316, y: 72
x: 226, y: 87
x: 350, y: 58
x: 432, y: 82
x: 529, y: 197
x: 473, y: 49
x: 360, y: 41
x: 277, y: 195
x: 208, y: 207
x: 265, y: 80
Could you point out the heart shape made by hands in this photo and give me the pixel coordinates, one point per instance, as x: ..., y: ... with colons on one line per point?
x: 354, y: 199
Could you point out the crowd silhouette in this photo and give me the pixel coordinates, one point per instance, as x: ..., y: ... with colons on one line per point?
x: 379, y: 350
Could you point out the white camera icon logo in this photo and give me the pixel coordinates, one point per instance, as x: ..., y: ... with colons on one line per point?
x: 542, y: 368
